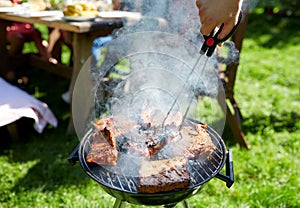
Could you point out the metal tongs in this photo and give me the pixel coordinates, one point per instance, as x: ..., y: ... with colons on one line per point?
x: 211, y: 40
x: 210, y: 43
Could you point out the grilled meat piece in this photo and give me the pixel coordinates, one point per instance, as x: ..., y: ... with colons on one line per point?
x: 195, y: 142
x: 102, y: 154
x: 104, y: 135
x: 133, y: 148
x: 103, y: 149
x: 117, y: 125
x: 163, y: 175
x: 148, y: 141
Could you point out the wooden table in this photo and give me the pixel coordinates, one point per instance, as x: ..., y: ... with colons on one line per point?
x: 81, y: 33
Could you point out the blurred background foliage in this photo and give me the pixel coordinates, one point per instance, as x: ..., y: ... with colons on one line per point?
x: 279, y: 7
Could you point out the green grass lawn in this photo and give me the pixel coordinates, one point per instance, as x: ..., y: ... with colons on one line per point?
x: 36, y: 173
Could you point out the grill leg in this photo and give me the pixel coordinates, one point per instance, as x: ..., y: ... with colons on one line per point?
x: 119, y: 204
x: 169, y: 205
x: 186, y: 204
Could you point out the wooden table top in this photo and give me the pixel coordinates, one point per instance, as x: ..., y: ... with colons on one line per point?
x: 58, y: 22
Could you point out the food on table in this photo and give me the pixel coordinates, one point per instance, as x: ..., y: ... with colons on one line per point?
x: 80, y: 9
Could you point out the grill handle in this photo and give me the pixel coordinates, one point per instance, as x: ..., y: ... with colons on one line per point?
x: 73, y: 158
x: 229, y: 177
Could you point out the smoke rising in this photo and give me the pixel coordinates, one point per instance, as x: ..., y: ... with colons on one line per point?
x: 151, y: 62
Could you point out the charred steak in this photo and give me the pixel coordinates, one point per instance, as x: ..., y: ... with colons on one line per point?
x: 163, y: 175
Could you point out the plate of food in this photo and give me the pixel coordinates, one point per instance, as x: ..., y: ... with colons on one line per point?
x: 80, y: 12
x: 78, y: 18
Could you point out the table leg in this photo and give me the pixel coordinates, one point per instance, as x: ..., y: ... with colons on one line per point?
x: 82, y: 44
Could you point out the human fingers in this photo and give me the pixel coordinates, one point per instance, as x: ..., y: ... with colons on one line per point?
x: 207, y: 26
x: 227, y: 28
x: 198, y: 3
x: 207, y: 19
x: 201, y: 10
x: 202, y: 15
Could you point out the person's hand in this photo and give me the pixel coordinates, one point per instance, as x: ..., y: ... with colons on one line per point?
x: 213, y: 13
x: 116, y: 4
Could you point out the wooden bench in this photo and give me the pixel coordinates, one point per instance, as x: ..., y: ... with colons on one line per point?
x: 57, y: 69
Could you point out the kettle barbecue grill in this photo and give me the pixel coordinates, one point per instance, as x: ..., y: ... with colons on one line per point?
x: 124, y: 188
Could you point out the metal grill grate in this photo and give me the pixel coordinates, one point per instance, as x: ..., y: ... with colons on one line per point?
x: 201, y: 170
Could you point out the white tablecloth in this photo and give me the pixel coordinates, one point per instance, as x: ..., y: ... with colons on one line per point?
x: 15, y: 103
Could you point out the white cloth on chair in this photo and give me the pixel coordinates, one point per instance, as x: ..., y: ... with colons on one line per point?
x: 16, y: 103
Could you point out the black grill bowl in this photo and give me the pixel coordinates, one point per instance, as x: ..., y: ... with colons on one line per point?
x: 201, y: 173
